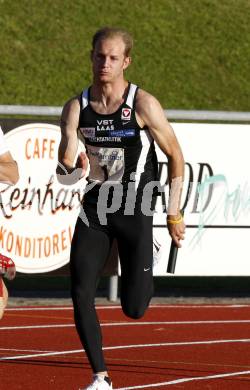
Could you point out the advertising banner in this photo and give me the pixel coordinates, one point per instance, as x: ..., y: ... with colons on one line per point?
x: 38, y: 214
x: 216, y: 199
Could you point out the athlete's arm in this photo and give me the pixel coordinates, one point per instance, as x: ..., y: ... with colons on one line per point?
x: 8, y: 169
x: 69, y: 172
x: 150, y: 114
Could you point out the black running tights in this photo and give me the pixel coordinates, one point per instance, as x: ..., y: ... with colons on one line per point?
x: 89, y: 251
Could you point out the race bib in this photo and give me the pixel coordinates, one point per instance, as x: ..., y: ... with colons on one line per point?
x: 106, y: 164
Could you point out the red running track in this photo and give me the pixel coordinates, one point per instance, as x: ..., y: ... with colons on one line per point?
x: 172, y: 347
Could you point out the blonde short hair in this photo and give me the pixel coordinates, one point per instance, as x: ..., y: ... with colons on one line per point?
x: 112, y: 32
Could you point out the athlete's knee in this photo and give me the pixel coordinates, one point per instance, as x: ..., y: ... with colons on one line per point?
x: 79, y: 296
x: 82, y: 298
x: 134, y: 304
x: 134, y: 314
x: 134, y: 311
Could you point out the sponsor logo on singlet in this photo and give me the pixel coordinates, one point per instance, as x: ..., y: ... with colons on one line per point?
x: 105, y: 125
x: 126, y: 114
x: 88, y: 132
x: 122, y: 133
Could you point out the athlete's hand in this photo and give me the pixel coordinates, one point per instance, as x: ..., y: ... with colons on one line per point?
x: 82, y: 163
x: 71, y: 175
x: 176, y: 230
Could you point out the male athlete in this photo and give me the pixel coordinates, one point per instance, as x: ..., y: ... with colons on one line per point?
x: 8, y: 175
x: 119, y: 123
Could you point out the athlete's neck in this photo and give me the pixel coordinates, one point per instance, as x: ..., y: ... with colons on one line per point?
x: 108, y: 94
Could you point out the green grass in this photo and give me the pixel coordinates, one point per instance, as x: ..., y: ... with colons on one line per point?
x: 191, y: 54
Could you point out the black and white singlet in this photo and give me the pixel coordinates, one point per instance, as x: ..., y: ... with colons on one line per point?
x: 119, y: 150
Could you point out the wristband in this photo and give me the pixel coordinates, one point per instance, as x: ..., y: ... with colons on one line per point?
x: 175, y: 221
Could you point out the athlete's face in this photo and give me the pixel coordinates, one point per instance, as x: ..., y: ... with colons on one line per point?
x: 109, y: 60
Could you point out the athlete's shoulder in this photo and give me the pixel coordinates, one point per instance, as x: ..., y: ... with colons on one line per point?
x: 71, y: 107
x: 73, y: 102
x: 70, y: 113
x: 146, y: 102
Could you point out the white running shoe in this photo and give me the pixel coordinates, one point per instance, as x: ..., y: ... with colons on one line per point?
x: 99, y: 383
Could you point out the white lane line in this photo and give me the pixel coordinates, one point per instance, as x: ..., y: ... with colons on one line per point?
x: 37, y: 326
x: 210, y: 342
x: 18, y: 357
x: 105, y: 324
x: 112, y: 307
x: 182, y: 380
x: 23, y: 350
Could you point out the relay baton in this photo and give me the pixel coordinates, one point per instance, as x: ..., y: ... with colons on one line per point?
x: 172, y: 258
